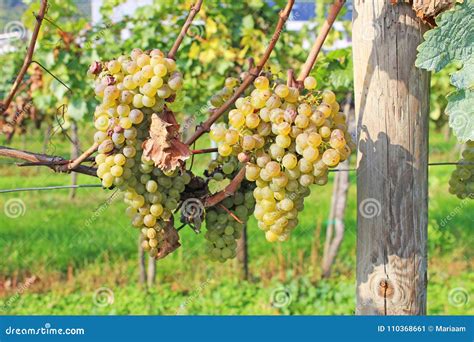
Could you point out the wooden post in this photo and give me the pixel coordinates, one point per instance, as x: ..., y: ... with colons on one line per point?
x: 142, y: 276
x: 242, y: 254
x: 75, y: 152
x: 392, y: 106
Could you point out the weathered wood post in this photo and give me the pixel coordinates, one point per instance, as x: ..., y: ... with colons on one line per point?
x: 391, y: 105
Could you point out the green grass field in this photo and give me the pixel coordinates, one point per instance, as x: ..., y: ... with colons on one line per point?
x: 73, y: 253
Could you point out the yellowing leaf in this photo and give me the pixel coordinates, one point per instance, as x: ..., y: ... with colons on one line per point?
x: 207, y: 56
x: 194, y: 51
x: 229, y: 55
x: 211, y: 27
x: 243, y: 52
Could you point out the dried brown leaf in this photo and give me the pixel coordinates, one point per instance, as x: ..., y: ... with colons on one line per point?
x: 164, y: 146
x: 170, y: 242
x: 427, y: 10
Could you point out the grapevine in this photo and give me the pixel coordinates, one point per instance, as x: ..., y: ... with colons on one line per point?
x: 280, y: 139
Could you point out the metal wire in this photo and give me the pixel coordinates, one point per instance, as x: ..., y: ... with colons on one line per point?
x: 54, y: 187
x: 59, y: 187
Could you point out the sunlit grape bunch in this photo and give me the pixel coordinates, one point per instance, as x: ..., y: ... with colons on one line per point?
x: 223, y: 226
x: 292, y: 138
x: 131, y: 89
x: 461, y: 183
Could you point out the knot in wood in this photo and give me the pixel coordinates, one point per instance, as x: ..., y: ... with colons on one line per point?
x: 386, y: 288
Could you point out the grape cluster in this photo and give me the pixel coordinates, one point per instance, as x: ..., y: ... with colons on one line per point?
x: 225, y: 93
x: 131, y: 89
x: 292, y: 140
x: 461, y: 183
x: 222, y: 228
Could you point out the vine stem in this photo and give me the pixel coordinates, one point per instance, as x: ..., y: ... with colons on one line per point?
x: 29, y: 56
x: 192, y: 13
x: 252, y: 75
x: 313, y: 54
x: 76, y: 162
x: 290, y: 77
x: 230, y: 213
x: 204, y: 150
x: 56, y: 163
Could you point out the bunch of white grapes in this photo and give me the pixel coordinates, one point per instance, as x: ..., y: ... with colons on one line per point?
x: 225, y: 93
x: 461, y: 183
x: 222, y: 228
x: 131, y: 89
x: 292, y: 140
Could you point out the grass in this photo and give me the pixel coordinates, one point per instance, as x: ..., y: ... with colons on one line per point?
x: 69, y: 256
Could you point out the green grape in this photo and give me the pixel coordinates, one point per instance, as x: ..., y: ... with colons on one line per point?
x: 461, y: 182
x: 223, y: 228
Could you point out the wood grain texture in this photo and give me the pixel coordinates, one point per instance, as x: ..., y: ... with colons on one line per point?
x: 391, y: 105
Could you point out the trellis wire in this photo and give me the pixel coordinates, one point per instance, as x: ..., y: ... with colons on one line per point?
x: 59, y: 187
x: 54, y: 187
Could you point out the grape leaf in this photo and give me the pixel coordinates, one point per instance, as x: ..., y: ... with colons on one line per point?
x: 170, y: 241
x: 164, y: 146
x: 452, y: 40
x: 464, y: 78
x: 460, y: 109
x: 216, y: 186
x: 77, y: 108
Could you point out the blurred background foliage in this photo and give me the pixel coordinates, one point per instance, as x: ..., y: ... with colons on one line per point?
x: 218, y: 45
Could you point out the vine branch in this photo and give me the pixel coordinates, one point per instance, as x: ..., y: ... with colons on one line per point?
x: 231, y: 213
x: 325, y: 28
x: 192, y: 13
x: 29, y: 56
x: 252, y: 75
x: 204, y: 150
x: 56, y: 163
x: 76, y: 162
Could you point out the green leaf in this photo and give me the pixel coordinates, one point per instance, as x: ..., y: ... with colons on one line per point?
x: 216, y: 186
x: 464, y: 78
x: 76, y: 109
x: 248, y: 22
x: 452, y: 40
x: 460, y: 109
